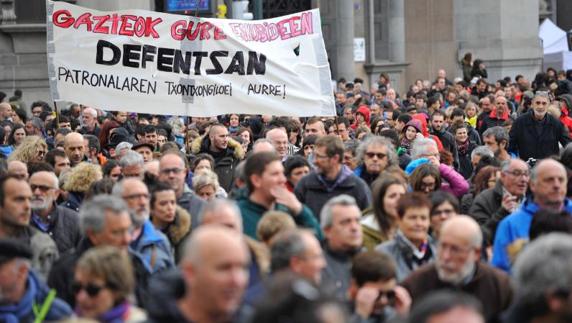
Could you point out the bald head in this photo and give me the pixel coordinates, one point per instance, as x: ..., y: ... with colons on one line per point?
x: 222, y: 213
x: 18, y: 169
x: 74, y: 148
x: 211, y: 239
x: 463, y: 228
x: 548, y: 183
x: 279, y: 139
x: 544, y: 166
x: 262, y: 145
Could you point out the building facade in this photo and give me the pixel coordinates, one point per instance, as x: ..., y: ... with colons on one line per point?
x: 407, y: 39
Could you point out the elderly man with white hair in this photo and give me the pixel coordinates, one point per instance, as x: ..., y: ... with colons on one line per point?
x: 61, y: 223
x: 89, y: 122
x: 458, y: 267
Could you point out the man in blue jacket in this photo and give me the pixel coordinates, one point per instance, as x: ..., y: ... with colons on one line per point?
x: 548, y: 182
x: 149, y: 242
x: 23, y: 296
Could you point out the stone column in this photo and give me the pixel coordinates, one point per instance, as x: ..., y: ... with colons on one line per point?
x: 369, y: 19
x: 397, y: 31
x: 345, y: 39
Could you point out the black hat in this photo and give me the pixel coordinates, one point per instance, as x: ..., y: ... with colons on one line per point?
x: 11, y: 249
x: 142, y: 144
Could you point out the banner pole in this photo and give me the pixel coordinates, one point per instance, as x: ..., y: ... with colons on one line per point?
x: 57, y: 115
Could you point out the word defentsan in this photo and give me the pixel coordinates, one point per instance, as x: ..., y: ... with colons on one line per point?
x: 178, y: 61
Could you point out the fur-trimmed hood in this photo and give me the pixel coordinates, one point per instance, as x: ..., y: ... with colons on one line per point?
x: 181, y: 227
x: 202, y: 144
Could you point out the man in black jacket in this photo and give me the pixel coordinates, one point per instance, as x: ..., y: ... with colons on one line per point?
x: 447, y: 139
x: 536, y: 134
x: 494, y: 204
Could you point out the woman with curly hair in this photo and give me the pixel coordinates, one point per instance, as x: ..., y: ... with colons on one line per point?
x: 32, y: 149
x: 78, y: 181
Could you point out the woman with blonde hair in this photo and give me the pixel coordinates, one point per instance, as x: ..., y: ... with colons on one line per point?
x: 103, y: 283
x: 32, y: 149
x: 78, y: 181
x: 206, y: 185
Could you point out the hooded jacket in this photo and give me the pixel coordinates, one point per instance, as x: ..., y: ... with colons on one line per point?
x: 177, y: 231
x: 225, y: 161
x: 365, y: 112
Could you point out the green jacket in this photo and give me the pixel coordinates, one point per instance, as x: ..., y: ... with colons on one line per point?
x: 252, y: 213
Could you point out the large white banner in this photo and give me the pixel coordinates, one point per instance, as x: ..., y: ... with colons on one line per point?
x: 151, y: 62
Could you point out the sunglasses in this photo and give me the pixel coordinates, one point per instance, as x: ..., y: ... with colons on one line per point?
x: 92, y: 290
x: 379, y: 155
x: 42, y: 188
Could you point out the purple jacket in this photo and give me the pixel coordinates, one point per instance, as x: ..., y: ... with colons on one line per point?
x: 452, y: 181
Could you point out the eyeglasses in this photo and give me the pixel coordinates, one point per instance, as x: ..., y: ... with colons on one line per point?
x: 518, y: 173
x: 176, y: 171
x: 92, y: 290
x: 378, y: 155
x: 43, y: 188
x: 454, y: 250
x: 321, y: 156
x: 136, y: 196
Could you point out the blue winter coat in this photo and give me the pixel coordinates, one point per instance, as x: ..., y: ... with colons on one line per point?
x: 512, y: 233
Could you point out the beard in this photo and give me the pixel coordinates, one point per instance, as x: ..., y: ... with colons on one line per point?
x: 40, y: 205
x: 138, y: 217
x: 458, y: 277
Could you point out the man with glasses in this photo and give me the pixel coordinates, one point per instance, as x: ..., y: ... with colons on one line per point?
x: 494, y: 204
x: 458, y: 267
x: 374, y: 293
x: 331, y: 177
x: 149, y: 242
x: 60, y: 223
x: 173, y: 171
x: 548, y: 183
x: 536, y: 134
x: 374, y: 155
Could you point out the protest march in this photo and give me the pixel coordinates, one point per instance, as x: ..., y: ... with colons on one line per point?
x: 192, y: 169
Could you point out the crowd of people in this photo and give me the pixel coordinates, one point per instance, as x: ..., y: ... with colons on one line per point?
x: 445, y: 203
